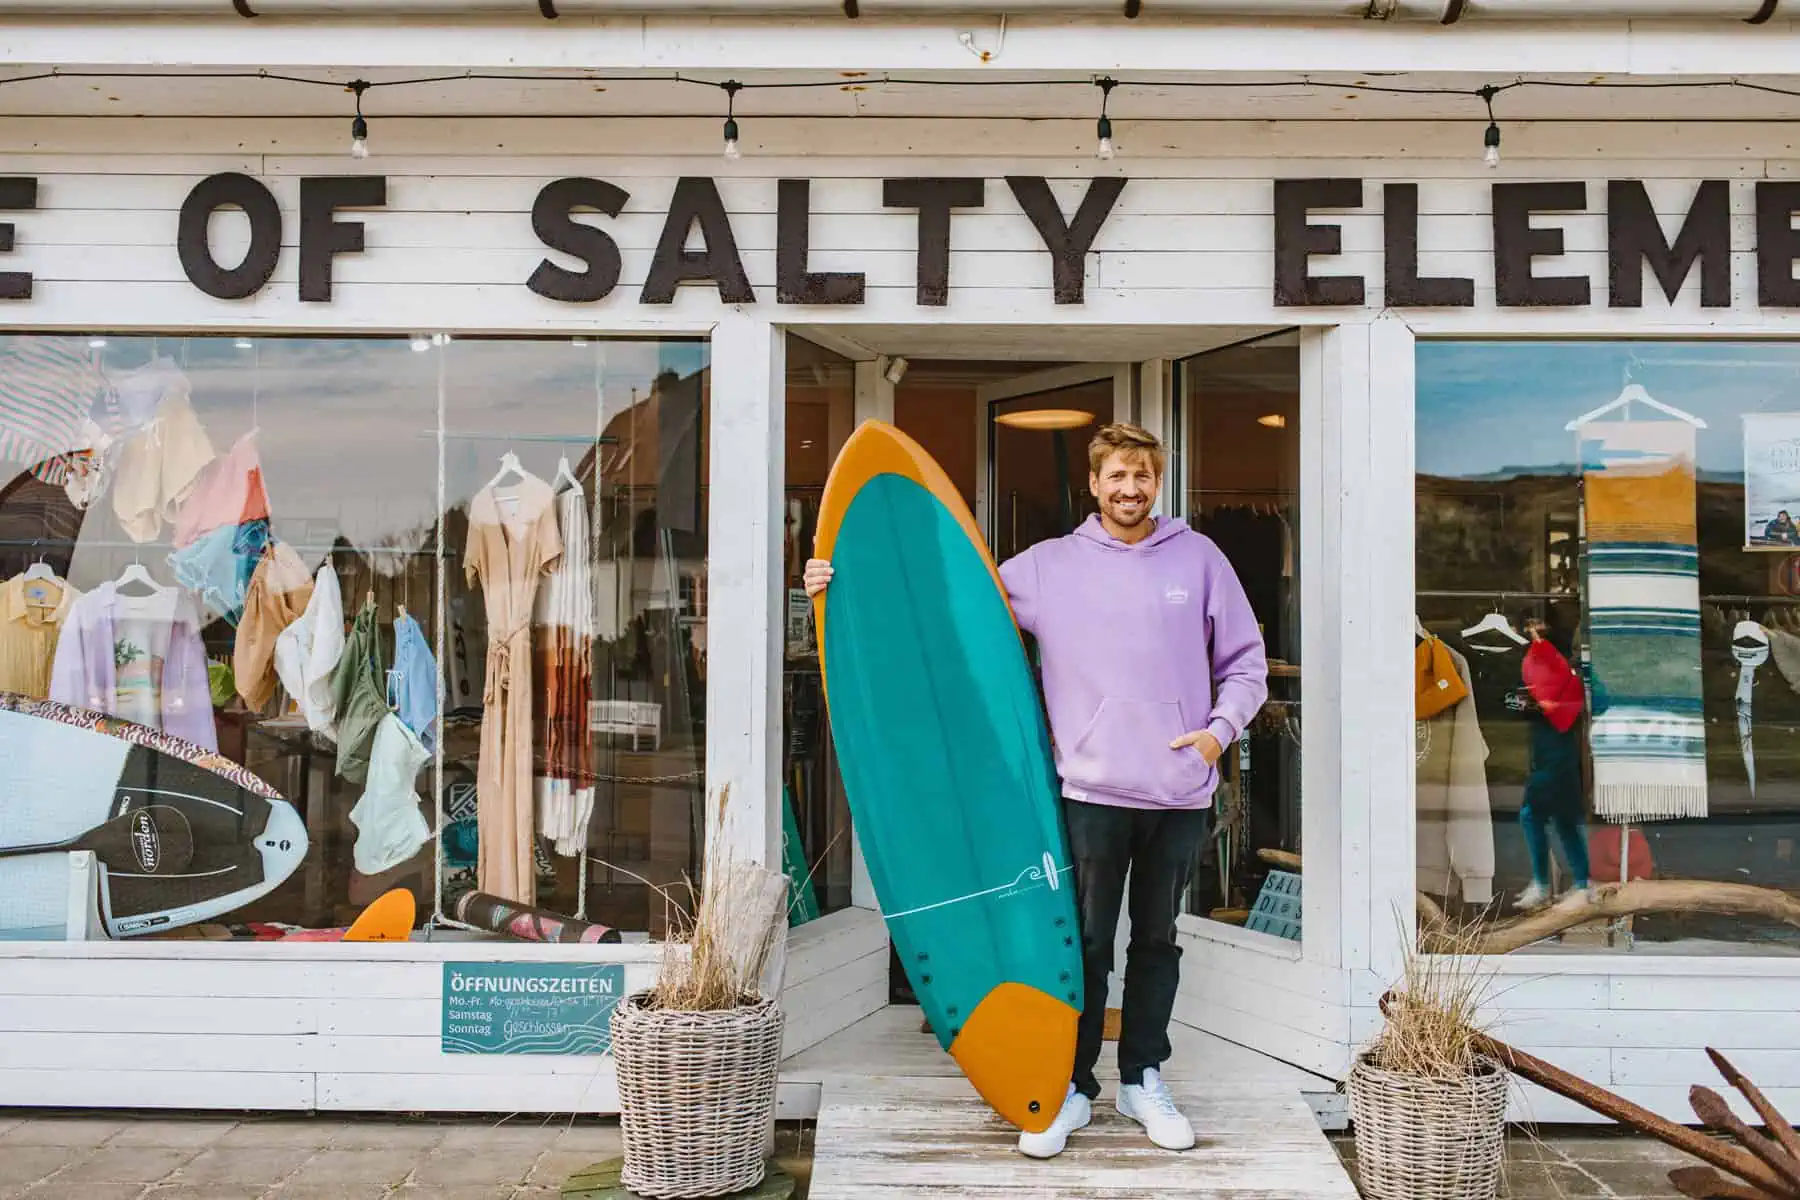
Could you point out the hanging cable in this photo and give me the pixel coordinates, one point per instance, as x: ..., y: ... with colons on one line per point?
x: 359, y: 128
x: 731, y: 88
x: 1104, y: 126
x: 1490, y: 141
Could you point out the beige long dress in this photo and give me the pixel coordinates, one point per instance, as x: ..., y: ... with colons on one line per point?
x: 513, y: 544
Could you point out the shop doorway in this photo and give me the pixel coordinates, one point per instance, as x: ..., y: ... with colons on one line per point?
x: 1013, y: 432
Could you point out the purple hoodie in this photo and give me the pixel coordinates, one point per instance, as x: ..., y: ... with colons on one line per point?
x: 1140, y: 644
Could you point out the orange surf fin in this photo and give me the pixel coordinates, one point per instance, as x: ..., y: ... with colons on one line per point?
x: 388, y: 919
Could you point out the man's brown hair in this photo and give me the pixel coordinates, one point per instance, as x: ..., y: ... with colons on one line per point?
x: 1132, y: 439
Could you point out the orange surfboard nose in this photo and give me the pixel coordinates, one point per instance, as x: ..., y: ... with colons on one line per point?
x: 1018, y: 1049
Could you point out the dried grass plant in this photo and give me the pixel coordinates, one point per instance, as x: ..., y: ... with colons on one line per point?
x: 717, y: 954
x: 1435, y: 1013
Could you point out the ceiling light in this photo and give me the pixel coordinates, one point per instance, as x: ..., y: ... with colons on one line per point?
x: 1272, y: 420
x: 896, y: 370
x: 1046, y: 418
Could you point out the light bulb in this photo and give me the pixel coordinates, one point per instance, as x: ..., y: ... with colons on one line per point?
x: 359, y: 138
x: 731, y: 139
x: 1104, y: 129
x: 1491, y: 153
x: 1106, y: 148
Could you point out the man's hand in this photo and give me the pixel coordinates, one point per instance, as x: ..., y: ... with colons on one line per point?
x: 818, y: 574
x: 1201, y: 740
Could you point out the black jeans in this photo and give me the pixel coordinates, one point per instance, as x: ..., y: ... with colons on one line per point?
x: 1158, y: 847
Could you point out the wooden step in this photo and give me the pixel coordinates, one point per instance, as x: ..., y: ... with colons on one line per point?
x: 935, y: 1139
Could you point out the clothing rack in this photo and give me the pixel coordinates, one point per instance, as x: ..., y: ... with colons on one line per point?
x: 568, y: 439
x: 95, y: 544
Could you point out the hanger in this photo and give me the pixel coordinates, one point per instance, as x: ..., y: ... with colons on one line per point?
x: 41, y: 569
x: 135, y: 573
x: 563, y: 472
x: 1635, y: 394
x: 1494, y: 622
x: 509, y: 464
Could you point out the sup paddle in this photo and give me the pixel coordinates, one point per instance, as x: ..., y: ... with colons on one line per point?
x: 153, y: 840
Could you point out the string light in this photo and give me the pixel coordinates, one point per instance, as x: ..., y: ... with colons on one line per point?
x: 1104, y: 127
x: 1491, y: 140
x: 359, y: 128
x: 731, y: 87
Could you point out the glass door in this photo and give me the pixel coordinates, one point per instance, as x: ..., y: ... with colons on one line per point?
x: 1036, y: 430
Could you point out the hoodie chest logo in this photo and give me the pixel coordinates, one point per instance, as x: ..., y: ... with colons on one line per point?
x: 1175, y: 594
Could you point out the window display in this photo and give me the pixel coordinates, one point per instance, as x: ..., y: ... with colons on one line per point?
x: 1602, y: 546
x: 424, y: 613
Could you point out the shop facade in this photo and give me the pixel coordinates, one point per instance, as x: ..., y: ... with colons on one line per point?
x: 286, y: 382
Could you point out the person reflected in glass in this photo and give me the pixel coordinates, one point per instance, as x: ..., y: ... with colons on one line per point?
x: 1782, y: 531
x: 1552, y: 701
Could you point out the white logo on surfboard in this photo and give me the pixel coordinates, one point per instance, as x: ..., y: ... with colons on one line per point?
x: 1041, y: 874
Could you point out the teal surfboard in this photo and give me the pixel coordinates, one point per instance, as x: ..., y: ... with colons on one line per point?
x: 946, y: 764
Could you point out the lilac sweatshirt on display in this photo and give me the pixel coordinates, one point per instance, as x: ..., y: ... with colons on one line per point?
x: 1140, y: 644
x: 85, y: 672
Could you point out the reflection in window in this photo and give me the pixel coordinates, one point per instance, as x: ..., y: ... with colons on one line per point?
x: 1238, y: 425
x: 821, y: 400
x: 1609, y: 611
x: 231, y: 546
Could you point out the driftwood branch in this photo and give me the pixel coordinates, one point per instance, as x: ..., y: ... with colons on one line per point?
x: 1604, y: 902
x: 1710, y: 1107
x: 1704, y: 1183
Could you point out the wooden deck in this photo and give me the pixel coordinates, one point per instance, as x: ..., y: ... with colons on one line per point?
x: 885, y: 1139
x: 897, y: 1119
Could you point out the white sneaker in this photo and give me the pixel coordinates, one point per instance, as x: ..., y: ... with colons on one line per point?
x: 1150, y: 1105
x: 1535, y: 896
x: 1076, y: 1112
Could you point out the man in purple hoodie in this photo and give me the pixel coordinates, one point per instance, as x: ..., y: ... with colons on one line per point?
x: 1153, y: 663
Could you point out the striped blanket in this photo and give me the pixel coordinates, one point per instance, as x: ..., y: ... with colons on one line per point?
x: 1643, y: 599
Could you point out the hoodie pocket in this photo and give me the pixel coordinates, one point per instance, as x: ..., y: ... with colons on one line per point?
x: 1125, y: 751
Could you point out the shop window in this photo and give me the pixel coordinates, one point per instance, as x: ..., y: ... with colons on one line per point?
x: 1608, y: 608
x: 265, y: 577
x: 818, y: 849
x: 1235, y: 476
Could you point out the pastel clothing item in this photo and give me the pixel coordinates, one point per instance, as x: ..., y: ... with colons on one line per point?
x: 218, y: 567
x: 279, y: 591
x: 389, y: 827
x: 513, y: 543
x: 49, y: 386
x: 1141, y: 643
x: 137, y: 657
x: 412, y: 680
x: 563, y: 669
x: 358, y: 697
x: 32, y: 612
x: 229, y: 493
x: 160, y: 465
x: 1454, y: 827
x: 307, y: 652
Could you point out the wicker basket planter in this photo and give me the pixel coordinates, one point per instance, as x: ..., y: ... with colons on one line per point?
x: 1428, y: 1139
x: 696, y: 1095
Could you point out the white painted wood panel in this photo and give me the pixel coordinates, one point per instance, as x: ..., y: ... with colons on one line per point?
x: 114, y: 1087
x: 21, y: 1014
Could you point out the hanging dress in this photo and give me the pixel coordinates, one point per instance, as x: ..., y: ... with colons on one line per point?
x: 513, y: 543
x: 564, y: 660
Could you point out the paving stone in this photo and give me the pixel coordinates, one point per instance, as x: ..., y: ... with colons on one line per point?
x: 142, y: 1165
x: 1584, y: 1148
x: 86, y: 1191
x: 28, y: 1164
x: 206, y: 1191
x: 453, y: 1192
x: 176, y: 1134
x: 61, y: 1131
x: 603, y: 1141
x: 393, y: 1135
x: 387, y: 1167
x: 314, y: 1133
x: 263, y: 1166
x: 481, y: 1166
x: 554, y: 1168
x: 349, y: 1190
x: 1550, y: 1181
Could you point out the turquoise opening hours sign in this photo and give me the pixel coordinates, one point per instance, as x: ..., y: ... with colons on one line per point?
x: 530, y: 1008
